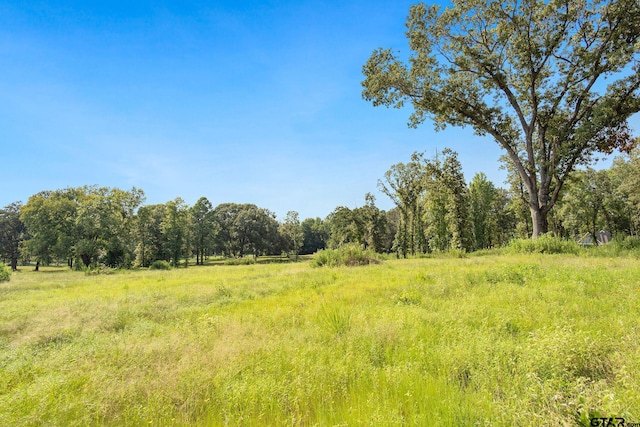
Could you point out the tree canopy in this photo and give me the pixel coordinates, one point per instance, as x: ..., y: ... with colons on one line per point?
x: 530, y: 74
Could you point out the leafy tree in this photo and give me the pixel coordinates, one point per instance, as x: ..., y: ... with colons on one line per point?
x: 315, y: 235
x: 482, y: 195
x: 624, y: 200
x: 404, y: 184
x: 151, y: 243
x: 392, y: 221
x: 175, y: 227
x: 12, y: 233
x: 225, y: 214
x: 255, y: 230
x: 50, y: 220
x: 445, y: 201
x: 344, y: 227
x: 86, y: 223
x: 203, y: 228
x: 245, y: 227
x: 120, y: 244
x: 529, y: 74
x: 493, y: 221
x: 581, y: 207
x: 504, y: 218
x: 373, y: 223
x: 291, y: 230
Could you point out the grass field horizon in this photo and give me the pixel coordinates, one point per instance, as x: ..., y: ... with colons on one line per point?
x: 480, y: 340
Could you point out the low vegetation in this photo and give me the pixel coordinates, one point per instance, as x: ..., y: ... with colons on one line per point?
x: 522, y: 340
x: 545, y: 244
x: 5, y: 274
x: 348, y: 255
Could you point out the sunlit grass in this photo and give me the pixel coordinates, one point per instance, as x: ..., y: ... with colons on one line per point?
x: 491, y: 340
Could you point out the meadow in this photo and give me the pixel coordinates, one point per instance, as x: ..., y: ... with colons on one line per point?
x: 491, y: 340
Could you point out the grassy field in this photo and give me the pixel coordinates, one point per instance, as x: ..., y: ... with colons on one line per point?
x: 486, y: 340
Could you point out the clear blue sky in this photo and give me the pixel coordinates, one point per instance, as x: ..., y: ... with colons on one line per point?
x: 239, y: 101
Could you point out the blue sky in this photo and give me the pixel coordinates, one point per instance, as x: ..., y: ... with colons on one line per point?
x: 248, y: 102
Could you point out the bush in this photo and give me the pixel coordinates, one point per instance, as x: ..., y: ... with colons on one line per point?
x: 160, y: 265
x: 544, y: 244
x: 5, y: 274
x: 350, y: 255
x: 627, y: 243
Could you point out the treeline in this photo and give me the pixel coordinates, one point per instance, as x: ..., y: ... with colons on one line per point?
x: 435, y: 211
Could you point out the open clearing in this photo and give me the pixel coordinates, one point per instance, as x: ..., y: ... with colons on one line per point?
x: 483, y: 340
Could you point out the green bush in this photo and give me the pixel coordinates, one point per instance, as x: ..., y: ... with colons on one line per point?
x: 160, y: 265
x: 349, y: 255
x: 627, y: 243
x: 544, y: 244
x: 5, y: 274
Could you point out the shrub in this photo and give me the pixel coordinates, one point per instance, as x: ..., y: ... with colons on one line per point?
x: 544, y: 244
x: 349, y: 255
x: 5, y: 275
x: 160, y: 265
x: 628, y: 243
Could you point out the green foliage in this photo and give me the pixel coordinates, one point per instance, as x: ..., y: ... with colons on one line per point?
x: 347, y: 255
x: 160, y: 265
x: 5, y: 274
x: 315, y: 233
x: 292, y: 234
x: 12, y: 233
x: 628, y: 243
x: 544, y: 244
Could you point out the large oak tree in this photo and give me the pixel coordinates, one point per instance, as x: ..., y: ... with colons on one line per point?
x: 531, y: 74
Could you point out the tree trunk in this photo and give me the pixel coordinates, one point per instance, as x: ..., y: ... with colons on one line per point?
x: 540, y: 222
x: 14, y: 263
x: 86, y: 259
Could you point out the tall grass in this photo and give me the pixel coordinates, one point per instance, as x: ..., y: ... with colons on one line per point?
x: 544, y: 244
x: 348, y: 255
x: 492, y: 340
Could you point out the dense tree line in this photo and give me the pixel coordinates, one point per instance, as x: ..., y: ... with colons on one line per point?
x: 435, y: 211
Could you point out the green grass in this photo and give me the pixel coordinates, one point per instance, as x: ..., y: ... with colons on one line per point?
x: 521, y: 340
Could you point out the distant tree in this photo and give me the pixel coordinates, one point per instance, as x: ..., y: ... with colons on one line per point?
x: 151, y: 243
x: 245, y: 228
x: 225, y: 215
x: 344, y: 227
x: 255, y: 230
x: 624, y: 200
x: 482, y: 195
x: 503, y: 219
x: 592, y: 201
x: 372, y: 223
x: 291, y: 230
x: 203, y: 228
x: 86, y: 223
x: 404, y: 184
x: 104, y: 223
x: 529, y: 74
x: 446, y: 203
x: 176, y: 227
x: 12, y: 233
x: 392, y: 221
x: 518, y: 200
x: 50, y: 220
x: 315, y: 235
